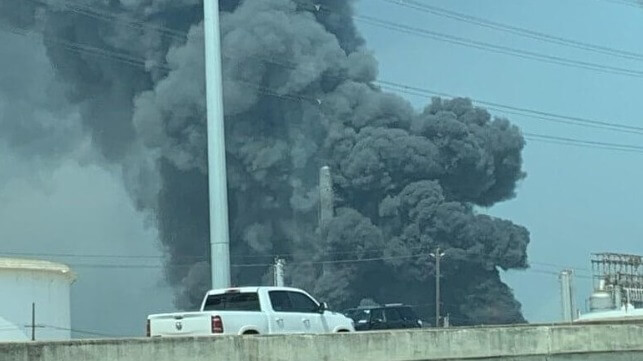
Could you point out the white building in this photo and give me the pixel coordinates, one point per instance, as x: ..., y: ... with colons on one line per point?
x: 45, y: 284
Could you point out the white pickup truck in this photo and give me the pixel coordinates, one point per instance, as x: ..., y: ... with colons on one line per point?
x: 251, y: 311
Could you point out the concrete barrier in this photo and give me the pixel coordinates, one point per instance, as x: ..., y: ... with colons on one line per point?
x: 518, y: 343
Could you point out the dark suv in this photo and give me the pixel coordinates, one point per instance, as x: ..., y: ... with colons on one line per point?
x: 387, y: 317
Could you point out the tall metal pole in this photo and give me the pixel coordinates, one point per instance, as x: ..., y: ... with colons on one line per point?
x: 567, y: 295
x: 326, y: 208
x: 217, y: 178
x: 325, y: 196
x: 437, y: 287
x: 33, y: 321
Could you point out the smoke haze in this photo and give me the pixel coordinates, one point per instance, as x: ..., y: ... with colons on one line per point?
x: 127, y: 78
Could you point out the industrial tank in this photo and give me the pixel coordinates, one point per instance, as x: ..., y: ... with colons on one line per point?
x: 25, y: 283
x: 601, y: 301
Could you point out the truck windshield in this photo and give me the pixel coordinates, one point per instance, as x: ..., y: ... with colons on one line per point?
x: 233, y: 302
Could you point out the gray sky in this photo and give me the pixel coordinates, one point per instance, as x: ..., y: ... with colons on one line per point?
x: 84, y: 210
x: 574, y: 201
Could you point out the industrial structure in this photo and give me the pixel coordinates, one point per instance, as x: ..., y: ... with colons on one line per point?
x: 568, y: 304
x: 618, y: 288
x: 326, y: 205
x: 325, y: 195
x: 35, y: 302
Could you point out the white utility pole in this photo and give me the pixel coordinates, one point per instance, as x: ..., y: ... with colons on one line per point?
x: 567, y: 295
x: 217, y: 178
x: 438, y: 256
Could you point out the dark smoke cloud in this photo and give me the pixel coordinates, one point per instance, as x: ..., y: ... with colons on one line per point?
x: 299, y: 94
x: 38, y: 126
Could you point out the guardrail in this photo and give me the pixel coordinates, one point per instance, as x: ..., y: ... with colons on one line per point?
x: 515, y: 343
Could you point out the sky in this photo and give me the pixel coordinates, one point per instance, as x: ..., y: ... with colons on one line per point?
x: 574, y: 200
x: 59, y: 202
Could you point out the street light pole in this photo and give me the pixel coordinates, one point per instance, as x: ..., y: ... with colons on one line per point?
x: 217, y: 179
x: 438, y: 256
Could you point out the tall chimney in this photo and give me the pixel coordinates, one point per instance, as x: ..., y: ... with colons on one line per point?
x: 325, y: 205
x: 567, y: 295
x: 325, y: 196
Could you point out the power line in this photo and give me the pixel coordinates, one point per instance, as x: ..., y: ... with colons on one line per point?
x: 528, y: 33
x: 413, y: 90
x: 551, y: 273
x: 448, y: 38
x: 587, y: 143
x: 499, y: 49
x: 196, y: 258
x: 402, y: 88
x: 578, y: 145
x: 507, y: 109
x: 244, y: 265
x: 95, y: 13
x: 421, y: 92
x: 85, y: 332
x: 549, y: 264
x: 548, y: 116
x: 625, y: 2
x: 249, y: 265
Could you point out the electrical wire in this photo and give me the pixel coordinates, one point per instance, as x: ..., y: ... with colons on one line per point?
x: 528, y: 33
x: 442, y: 37
x: 499, y: 49
x: 243, y: 265
x: 548, y: 116
x: 625, y: 2
x: 108, y: 16
x: 395, y: 86
x: 582, y: 143
x: 312, y: 262
x: 75, y: 330
x: 549, y: 264
x: 418, y: 92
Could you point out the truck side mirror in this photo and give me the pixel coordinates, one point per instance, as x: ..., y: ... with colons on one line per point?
x: 323, y: 307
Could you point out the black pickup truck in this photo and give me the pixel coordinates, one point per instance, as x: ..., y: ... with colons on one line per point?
x: 387, y: 317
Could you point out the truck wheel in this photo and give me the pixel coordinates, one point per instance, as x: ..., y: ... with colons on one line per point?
x: 248, y: 333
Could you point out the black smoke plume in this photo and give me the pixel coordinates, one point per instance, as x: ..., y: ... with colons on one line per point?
x: 299, y: 93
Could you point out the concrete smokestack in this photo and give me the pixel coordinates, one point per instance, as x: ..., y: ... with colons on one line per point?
x: 567, y: 295
x: 325, y: 196
x: 325, y: 205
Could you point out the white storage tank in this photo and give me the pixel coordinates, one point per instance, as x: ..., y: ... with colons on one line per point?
x: 47, y: 285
